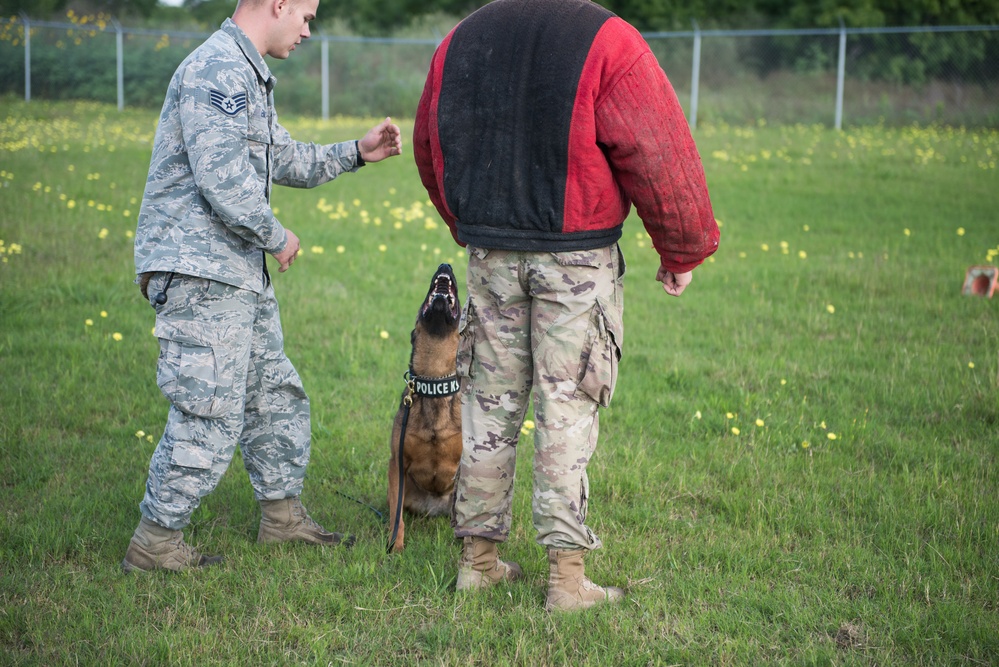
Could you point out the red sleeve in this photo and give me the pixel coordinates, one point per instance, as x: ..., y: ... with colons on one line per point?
x: 426, y: 142
x: 652, y: 153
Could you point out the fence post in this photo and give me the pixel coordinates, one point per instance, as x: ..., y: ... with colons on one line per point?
x: 121, y: 63
x: 326, y: 76
x: 840, y: 75
x: 695, y: 77
x: 27, y: 57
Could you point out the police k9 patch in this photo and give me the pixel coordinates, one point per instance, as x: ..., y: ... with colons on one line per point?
x: 230, y: 105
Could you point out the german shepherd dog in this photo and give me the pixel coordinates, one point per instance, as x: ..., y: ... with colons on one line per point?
x: 427, y: 427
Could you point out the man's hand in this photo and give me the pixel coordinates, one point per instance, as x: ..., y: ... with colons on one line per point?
x: 674, y: 283
x: 382, y: 141
x: 287, y: 256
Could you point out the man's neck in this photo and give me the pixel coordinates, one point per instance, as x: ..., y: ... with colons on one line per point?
x: 249, y: 22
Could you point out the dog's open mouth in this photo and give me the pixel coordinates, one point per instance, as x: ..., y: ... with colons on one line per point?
x: 442, y: 297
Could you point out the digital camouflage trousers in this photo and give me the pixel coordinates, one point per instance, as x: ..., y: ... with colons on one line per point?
x: 223, y: 368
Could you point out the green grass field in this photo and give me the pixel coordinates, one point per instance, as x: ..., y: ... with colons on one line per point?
x: 799, y: 466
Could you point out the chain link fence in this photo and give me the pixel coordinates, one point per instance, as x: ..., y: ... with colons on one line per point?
x: 832, y: 77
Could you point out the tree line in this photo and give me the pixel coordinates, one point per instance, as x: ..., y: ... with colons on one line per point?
x: 378, y: 17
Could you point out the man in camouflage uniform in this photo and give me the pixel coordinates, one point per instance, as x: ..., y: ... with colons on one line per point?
x: 204, y: 228
x: 541, y: 122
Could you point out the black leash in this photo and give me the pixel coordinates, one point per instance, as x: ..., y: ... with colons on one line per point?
x: 416, y: 386
x: 407, y: 403
x: 361, y: 502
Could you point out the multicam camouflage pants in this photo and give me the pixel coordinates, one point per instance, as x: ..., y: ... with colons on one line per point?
x: 223, y: 368
x: 551, y: 324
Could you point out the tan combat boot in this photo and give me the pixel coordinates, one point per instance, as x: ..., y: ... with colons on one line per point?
x: 568, y: 587
x: 287, y: 521
x: 480, y: 566
x: 154, y: 547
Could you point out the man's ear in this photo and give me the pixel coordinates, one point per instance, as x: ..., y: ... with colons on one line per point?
x: 278, y: 7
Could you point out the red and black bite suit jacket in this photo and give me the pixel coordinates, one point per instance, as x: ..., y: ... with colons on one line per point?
x: 542, y: 121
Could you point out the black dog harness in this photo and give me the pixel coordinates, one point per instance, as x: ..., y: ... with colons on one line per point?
x: 416, y: 385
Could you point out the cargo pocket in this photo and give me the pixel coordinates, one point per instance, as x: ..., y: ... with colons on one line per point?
x: 188, y: 375
x: 601, y: 354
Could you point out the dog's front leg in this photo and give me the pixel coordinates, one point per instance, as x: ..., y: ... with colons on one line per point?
x: 396, y: 498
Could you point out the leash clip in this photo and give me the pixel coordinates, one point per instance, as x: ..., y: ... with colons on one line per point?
x: 410, y: 388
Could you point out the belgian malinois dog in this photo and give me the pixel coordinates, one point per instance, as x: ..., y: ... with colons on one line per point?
x: 426, y: 434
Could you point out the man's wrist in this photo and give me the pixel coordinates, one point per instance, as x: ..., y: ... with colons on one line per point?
x: 360, y: 160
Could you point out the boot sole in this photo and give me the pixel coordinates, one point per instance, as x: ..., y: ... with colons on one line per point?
x: 128, y: 568
x: 572, y: 604
x: 345, y: 541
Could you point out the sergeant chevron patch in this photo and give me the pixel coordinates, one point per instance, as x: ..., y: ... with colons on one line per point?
x: 229, y: 105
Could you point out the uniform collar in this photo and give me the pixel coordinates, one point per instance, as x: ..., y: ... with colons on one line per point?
x: 251, y: 53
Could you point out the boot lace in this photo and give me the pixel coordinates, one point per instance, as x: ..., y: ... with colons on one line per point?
x: 298, y: 511
x: 185, y: 549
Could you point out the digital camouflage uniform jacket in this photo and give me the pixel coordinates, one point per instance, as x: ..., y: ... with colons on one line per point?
x: 218, y: 148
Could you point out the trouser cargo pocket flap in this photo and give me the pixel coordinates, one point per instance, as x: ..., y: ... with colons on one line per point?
x: 188, y: 372
x: 600, y: 354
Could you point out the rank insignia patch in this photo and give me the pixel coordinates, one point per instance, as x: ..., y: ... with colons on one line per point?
x: 229, y: 105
